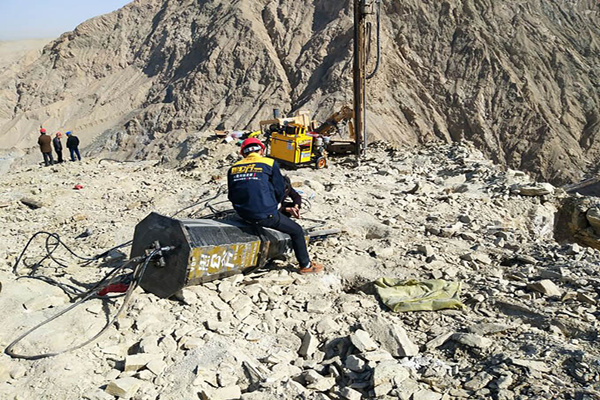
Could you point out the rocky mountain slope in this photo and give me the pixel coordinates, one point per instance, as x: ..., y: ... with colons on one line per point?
x: 15, y: 56
x: 520, y: 80
x: 14, y: 51
x: 529, y: 328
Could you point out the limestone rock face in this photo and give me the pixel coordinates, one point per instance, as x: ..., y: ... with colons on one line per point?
x: 577, y: 221
x: 519, y: 80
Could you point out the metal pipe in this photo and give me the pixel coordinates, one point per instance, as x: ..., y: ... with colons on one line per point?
x: 364, y: 140
x: 359, y: 75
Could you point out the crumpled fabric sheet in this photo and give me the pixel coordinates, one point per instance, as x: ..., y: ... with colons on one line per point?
x: 412, y: 295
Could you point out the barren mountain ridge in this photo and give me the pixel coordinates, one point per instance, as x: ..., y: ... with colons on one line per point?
x: 519, y: 79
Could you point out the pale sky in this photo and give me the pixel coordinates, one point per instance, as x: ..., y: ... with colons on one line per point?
x: 32, y: 19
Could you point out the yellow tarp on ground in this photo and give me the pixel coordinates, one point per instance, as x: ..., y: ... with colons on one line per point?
x: 412, y: 295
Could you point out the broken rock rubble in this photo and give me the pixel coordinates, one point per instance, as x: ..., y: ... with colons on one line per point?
x: 275, y: 334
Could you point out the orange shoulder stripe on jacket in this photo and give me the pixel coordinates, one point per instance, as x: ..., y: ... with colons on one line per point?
x: 255, y: 158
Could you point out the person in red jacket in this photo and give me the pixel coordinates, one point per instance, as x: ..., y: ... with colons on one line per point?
x: 256, y: 188
x: 45, y: 142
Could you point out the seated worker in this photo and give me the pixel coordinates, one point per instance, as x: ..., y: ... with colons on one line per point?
x: 290, y: 208
x: 255, y: 188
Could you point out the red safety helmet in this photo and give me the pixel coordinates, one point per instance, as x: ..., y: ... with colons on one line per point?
x: 42, y: 130
x: 250, y: 145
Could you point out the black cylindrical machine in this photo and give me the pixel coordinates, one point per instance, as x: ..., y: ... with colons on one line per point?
x: 204, y: 250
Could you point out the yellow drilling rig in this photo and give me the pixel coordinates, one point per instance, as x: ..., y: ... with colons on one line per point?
x: 297, y: 140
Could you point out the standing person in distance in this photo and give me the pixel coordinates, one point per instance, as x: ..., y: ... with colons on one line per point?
x: 255, y: 188
x: 73, y: 146
x: 45, y: 142
x: 58, y: 147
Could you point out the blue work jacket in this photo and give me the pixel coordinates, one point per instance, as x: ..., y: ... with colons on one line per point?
x: 255, y: 187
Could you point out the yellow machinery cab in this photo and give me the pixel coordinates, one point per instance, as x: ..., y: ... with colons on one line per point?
x: 292, y: 145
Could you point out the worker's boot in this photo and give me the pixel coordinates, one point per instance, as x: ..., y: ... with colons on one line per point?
x: 313, y: 268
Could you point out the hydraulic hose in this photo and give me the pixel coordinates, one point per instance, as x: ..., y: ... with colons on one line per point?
x: 137, y: 275
x: 372, y: 74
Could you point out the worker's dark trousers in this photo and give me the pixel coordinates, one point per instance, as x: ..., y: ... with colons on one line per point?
x: 74, y: 152
x: 48, y: 159
x: 281, y: 223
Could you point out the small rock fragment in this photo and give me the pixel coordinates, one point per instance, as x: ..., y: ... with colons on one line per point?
x: 156, y: 366
x: 226, y: 393
x: 586, y: 298
x: 388, y: 374
x: 426, y: 249
x: 309, y: 345
x: 32, y: 203
x: 362, y: 341
x: 318, y: 306
x: 488, y: 329
x: 149, y: 345
x: 187, y: 296
x: 124, y: 388
x: 545, y: 286
x: 323, y: 385
x: 438, y: 340
x: 479, y: 381
x: 350, y: 394
x: 354, y: 363
x: 505, y: 381
x: 397, y: 342
x: 472, y: 340
x: 593, y: 217
x: 327, y: 325
x: 377, y: 356
x: 241, y: 302
x: 190, y: 343
x: 532, y: 364
x: 534, y: 189
x: 136, y: 362
x: 425, y: 394
x: 318, y: 382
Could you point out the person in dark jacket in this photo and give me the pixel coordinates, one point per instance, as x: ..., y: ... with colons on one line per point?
x: 291, y: 207
x: 58, y: 147
x: 256, y: 188
x: 45, y: 142
x: 73, y: 146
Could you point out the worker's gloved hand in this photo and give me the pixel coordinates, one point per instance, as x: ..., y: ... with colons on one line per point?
x: 293, y: 211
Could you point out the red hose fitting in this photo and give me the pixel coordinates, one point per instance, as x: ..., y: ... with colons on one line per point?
x: 113, y: 288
